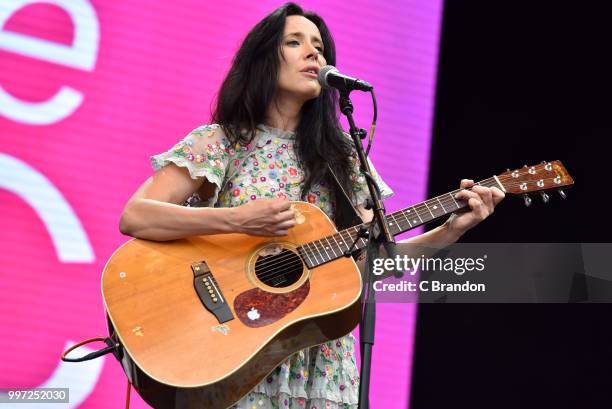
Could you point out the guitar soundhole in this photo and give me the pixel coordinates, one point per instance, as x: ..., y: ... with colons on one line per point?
x: 278, y: 267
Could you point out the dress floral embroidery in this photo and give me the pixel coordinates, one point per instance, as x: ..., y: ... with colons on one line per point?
x: 322, y: 377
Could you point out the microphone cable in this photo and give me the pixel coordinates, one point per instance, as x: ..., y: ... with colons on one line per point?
x: 373, y: 126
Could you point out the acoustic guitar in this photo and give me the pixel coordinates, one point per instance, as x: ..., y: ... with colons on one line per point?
x: 202, y: 320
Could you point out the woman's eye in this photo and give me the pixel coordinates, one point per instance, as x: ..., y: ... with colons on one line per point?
x: 293, y: 42
x: 320, y: 49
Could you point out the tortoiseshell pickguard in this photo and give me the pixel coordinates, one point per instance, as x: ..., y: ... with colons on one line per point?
x: 266, y: 307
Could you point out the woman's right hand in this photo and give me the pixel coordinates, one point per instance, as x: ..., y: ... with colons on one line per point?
x: 263, y: 217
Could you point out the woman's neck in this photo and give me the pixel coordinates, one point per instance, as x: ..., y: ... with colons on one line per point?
x: 284, y: 113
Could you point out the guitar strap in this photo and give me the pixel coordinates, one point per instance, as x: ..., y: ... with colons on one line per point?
x: 345, y: 213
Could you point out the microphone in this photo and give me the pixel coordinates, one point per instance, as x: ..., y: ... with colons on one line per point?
x: 330, y: 77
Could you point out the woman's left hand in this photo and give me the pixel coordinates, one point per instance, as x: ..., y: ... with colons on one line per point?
x: 481, y: 201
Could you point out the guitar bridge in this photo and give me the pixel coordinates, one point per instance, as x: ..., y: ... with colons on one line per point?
x: 209, y: 292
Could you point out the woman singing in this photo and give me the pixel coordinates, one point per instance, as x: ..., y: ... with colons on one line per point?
x: 272, y: 135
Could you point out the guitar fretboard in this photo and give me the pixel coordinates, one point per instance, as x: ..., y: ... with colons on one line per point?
x: 332, y: 247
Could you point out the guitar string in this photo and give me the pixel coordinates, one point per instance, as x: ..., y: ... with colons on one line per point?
x: 272, y: 268
x: 320, y: 248
x: 281, y: 262
x: 421, y: 210
x: 345, y: 235
x: 277, y: 267
x: 273, y: 273
x: 312, y: 253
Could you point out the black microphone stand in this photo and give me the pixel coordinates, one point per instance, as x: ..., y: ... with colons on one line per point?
x: 382, y: 236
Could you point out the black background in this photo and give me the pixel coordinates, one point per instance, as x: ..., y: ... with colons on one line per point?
x: 520, y: 82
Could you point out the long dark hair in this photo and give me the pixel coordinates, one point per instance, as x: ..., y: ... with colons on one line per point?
x: 251, y: 85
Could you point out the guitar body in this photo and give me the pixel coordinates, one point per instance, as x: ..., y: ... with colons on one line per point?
x: 178, y: 354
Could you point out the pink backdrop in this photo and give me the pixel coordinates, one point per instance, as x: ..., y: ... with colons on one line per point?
x: 88, y: 90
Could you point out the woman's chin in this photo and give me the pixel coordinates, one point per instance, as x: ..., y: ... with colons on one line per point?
x: 304, y: 93
x: 312, y: 93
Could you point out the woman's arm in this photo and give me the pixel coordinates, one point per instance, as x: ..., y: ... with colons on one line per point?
x: 155, y: 212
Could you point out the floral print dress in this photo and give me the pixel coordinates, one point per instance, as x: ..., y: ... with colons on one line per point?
x: 321, y: 377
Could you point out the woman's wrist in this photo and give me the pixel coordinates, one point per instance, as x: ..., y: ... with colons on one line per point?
x: 451, y: 233
x: 218, y: 220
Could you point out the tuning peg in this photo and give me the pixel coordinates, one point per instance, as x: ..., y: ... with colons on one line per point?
x: 527, y: 200
x: 562, y: 194
x: 544, y: 162
x: 545, y: 197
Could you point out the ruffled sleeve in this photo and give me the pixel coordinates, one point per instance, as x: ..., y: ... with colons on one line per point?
x: 360, y: 186
x: 205, y: 152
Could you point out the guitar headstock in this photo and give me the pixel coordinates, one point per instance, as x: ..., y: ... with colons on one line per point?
x: 537, y: 178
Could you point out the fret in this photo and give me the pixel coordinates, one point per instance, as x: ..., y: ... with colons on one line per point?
x: 393, y: 225
x: 354, y: 234
x: 398, y: 222
x: 430, y: 212
x: 401, y: 224
x: 362, y: 242
x: 351, y: 233
x: 439, y: 201
x: 435, y: 210
x: 452, y: 195
x: 426, y: 217
x: 354, y: 237
x: 313, y: 252
x: 405, y: 214
x: 337, y: 244
x: 316, y: 252
x: 343, y: 241
x: 416, y: 210
x: 320, y: 241
x: 305, y: 253
x: 331, y: 246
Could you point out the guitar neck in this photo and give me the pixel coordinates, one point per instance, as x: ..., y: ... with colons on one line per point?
x: 332, y: 247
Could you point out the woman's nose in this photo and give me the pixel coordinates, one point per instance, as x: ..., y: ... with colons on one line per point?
x: 313, y: 54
